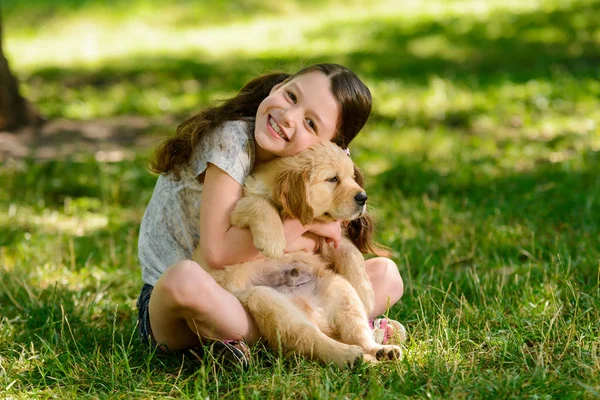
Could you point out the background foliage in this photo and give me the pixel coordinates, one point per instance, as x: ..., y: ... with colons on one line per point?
x: 481, y: 154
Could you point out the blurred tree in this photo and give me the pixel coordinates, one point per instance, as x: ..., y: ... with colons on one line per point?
x: 15, y: 111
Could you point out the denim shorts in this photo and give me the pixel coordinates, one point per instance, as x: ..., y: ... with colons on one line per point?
x: 143, y: 314
x: 228, y: 349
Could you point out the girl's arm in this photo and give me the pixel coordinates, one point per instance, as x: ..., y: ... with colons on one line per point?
x: 309, y: 241
x: 221, y: 243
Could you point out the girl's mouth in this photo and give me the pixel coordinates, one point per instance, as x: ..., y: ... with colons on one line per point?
x: 276, y: 128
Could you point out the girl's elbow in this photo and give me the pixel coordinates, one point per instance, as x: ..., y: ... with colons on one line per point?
x: 213, y: 260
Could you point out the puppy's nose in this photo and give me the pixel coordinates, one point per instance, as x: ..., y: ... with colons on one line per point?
x: 361, y: 198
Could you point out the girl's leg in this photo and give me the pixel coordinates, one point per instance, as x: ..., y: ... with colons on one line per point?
x: 186, y: 304
x: 387, y: 283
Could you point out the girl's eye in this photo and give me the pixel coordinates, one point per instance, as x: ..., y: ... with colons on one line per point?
x: 311, y: 123
x: 333, y: 180
x: 292, y: 97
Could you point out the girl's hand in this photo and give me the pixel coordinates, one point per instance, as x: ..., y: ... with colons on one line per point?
x: 331, y: 231
x: 309, y: 242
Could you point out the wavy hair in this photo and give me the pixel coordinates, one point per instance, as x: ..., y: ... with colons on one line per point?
x: 354, y: 100
x: 351, y: 94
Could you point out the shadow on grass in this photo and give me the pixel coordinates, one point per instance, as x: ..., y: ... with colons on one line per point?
x: 49, y: 183
x: 502, y: 47
x: 59, y: 337
x: 75, y: 338
x: 524, y: 219
x: 98, y: 204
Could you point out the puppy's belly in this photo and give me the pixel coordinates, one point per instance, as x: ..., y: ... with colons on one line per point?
x: 299, y: 281
x: 290, y: 277
x: 297, y: 276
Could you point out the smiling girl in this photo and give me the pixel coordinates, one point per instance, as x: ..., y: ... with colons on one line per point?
x: 202, y: 170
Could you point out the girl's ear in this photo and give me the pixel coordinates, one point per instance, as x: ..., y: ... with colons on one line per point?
x: 291, y: 192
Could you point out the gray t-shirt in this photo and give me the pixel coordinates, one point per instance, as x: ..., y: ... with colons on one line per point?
x: 170, y: 229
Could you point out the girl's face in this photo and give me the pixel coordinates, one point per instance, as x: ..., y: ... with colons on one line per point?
x: 296, y: 114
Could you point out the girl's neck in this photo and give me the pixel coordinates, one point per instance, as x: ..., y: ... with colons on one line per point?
x: 261, y: 155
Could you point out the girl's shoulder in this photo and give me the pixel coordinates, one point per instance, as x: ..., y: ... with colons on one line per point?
x: 228, y: 136
x: 234, y: 131
x: 230, y: 147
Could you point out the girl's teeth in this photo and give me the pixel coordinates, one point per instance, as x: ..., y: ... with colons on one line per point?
x: 277, y: 129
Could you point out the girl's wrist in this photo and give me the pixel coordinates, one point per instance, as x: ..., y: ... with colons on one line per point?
x: 295, y: 224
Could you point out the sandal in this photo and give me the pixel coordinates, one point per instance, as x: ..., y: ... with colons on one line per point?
x: 225, y: 352
x: 388, y: 331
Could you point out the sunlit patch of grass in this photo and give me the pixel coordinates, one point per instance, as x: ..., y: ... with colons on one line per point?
x: 89, y: 40
x: 54, y: 221
x: 93, y: 34
x: 481, y: 159
x: 478, y: 76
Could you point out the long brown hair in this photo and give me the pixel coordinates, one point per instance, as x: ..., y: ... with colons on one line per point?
x: 361, y: 231
x: 352, y: 95
x: 174, y: 153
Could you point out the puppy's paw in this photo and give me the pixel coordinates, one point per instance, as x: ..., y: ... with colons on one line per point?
x: 388, y: 352
x: 351, y: 357
x: 269, y: 244
x: 369, y: 359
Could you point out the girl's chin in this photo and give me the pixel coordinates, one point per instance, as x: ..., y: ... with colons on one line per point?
x: 268, y: 145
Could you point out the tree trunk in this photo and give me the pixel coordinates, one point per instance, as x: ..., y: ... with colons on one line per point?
x: 14, y: 109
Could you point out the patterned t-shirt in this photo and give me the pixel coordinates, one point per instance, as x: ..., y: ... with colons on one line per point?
x: 170, y: 229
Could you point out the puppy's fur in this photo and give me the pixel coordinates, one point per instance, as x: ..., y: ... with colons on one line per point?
x: 314, y: 305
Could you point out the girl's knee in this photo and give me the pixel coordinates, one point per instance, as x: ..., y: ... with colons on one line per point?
x: 384, y: 273
x: 186, y: 285
x: 394, y: 278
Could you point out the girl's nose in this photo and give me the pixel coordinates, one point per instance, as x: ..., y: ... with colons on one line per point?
x: 287, y: 117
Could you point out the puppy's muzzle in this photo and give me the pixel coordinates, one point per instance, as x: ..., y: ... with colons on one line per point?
x: 361, y: 198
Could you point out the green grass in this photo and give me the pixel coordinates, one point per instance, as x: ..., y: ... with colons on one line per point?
x: 481, y: 159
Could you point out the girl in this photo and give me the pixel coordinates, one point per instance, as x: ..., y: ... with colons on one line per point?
x: 202, y: 170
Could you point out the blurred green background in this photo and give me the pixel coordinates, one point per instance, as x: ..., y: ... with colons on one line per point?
x: 481, y: 158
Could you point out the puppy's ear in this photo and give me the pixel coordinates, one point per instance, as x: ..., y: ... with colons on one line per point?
x: 291, y: 191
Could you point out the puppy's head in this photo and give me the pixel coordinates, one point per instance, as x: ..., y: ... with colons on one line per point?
x: 319, y: 183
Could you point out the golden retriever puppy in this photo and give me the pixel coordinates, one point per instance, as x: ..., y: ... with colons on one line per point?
x: 316, y: 305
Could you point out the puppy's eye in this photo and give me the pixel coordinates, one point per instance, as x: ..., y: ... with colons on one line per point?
x: 333, y: 180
